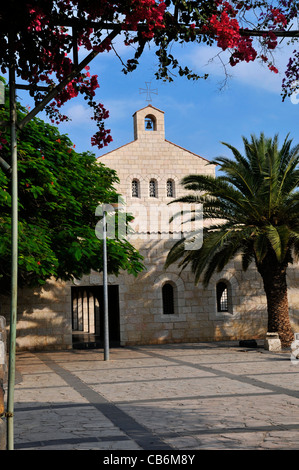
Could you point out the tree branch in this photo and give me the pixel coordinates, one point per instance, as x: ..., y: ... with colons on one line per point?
x: 55, y: 91
x: 281, y: 33
x: 98, y: 25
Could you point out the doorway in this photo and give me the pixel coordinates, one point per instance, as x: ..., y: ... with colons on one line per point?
x: 88, y: 316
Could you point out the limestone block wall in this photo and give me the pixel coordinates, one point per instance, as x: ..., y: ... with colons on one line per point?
x: 43, y: 317
x: 196, y: 317
x: 151, y: 156
x: 158, y: 160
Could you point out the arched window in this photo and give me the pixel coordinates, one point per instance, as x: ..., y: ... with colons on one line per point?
x: 222, y: 296
x: 170, y: 188
x: 153, y: 188
x: 135, y: 188
x: 168, y: 299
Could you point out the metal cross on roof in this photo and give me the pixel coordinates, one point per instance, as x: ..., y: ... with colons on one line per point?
x: 148, y: 91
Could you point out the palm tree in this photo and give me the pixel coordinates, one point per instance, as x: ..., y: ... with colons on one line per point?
x: 253, y: 207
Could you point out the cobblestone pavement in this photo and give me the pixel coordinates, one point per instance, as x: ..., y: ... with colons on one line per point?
x: 168, y: 397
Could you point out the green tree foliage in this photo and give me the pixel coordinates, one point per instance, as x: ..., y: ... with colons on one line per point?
x: 253, y: 207
x: 59, y: 191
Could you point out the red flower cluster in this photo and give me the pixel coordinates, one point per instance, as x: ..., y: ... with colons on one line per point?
x: 148, y: 11
x: 273, y: 68
x: 270, y: 40
x: 2, y: 141
x: 244, y: 51
x: 278, y: 17
x: 43, y: 45
x: 38, y: 19
x: 226, y: 30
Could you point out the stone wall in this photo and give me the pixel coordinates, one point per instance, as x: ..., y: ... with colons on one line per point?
x: 196, y: 317
x: 3, y: 379
x: 43, y: 317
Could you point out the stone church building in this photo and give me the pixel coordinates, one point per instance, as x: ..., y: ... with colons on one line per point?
x: 159, y: 306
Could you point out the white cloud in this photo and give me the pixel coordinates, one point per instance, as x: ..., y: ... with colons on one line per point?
x: 79, y: 114
x: 206, y: 59
x: 118, y: 46
x: 121, y: 109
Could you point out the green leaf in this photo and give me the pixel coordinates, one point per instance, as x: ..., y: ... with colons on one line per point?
x: 59, y: 192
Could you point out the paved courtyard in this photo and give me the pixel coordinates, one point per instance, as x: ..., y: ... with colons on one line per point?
x: 169, y: 397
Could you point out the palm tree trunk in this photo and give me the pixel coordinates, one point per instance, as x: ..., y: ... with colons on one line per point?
x: 275, y: 285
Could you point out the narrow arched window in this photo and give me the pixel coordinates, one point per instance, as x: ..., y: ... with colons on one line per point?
x: 170, y: 188
x: 168, y: 299
x: 153, y: 188
x: 135, y: 188
x: 222, y: 296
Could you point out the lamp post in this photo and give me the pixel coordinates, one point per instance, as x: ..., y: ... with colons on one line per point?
x: 113, y: 207
x: 105, y: 288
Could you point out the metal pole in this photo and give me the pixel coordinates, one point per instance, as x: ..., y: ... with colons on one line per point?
x: 14, y: 256
x: 105, y: 287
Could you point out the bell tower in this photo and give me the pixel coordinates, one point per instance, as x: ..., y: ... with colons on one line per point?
x: 149, y: 124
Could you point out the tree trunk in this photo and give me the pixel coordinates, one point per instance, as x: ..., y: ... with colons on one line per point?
x: 275, y: 284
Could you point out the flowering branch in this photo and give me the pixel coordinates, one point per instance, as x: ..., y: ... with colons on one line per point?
x: 47, y: 35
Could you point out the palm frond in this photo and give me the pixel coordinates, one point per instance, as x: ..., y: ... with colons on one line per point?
x: 252, y: 208
x: 278, y: 238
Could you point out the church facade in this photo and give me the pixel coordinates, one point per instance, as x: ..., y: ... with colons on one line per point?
x: 160, y: 305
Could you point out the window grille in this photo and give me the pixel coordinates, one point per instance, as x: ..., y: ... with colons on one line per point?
x: 170, y: 192
x: 222, y: 297
x: 168, y: 299
x: 135, y: 189
x: 152, y: 188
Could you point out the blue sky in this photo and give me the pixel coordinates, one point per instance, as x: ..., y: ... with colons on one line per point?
x: 198, y: 115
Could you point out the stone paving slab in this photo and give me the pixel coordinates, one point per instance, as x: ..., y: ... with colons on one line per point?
x: 202, y: 396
